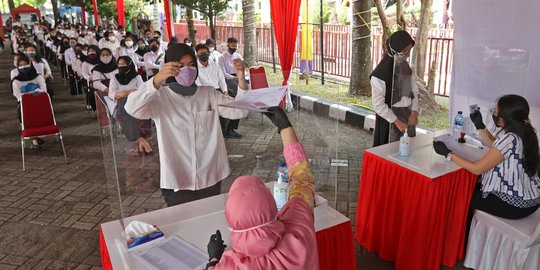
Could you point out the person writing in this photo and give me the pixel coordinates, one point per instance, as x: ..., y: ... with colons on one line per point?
x: 260, y: 235
x: 394, y: 91
x: 509, y: 183
x: 193, y: 158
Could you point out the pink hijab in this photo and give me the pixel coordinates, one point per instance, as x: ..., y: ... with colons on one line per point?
x: 262, y: 238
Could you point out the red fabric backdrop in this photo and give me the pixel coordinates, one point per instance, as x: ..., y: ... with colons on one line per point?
x: 96, y: 16
x: 83, y: 14
x: 167, y: 27
x: 285, y: 15
x: 120, y: 9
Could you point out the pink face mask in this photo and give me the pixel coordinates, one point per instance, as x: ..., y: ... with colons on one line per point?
x: 187, y: 76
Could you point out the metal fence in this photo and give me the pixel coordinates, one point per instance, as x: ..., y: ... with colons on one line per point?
x: 337, y: 49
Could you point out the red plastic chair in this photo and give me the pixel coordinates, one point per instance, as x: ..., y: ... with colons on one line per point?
x: 258, y: 80
x: 37, y: 120
x: 257, y: 77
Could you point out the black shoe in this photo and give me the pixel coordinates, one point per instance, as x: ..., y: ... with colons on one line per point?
x: 236, y: 134
x: 230, y: 135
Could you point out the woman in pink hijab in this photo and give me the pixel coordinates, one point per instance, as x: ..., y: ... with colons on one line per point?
x: 262, y: 237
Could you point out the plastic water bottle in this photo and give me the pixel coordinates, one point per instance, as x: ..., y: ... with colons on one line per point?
x: 281, y: 192
x: 458, y: 125
x: 282, y: 169
x: 404, y: 145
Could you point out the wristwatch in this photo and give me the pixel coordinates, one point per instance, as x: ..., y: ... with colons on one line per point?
x: 449, y: 156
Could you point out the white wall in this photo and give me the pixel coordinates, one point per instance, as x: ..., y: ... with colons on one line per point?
x: 496, y: 52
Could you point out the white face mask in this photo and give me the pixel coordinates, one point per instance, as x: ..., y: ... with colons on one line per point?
x: 112, y: 38
x: 106, y: 59
x: 129, y: 43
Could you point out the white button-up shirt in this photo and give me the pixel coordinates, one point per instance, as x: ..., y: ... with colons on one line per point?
x: 192, y: 150
x: 225, y: 62
x: 152, y: 60
x: 212, y: 76
x: 378, y: 92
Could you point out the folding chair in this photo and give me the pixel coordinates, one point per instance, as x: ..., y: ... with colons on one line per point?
x: 258, y: 80
x: 37, y: 120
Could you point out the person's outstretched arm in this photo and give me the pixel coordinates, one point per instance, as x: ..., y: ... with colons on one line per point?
x: 301, y: 181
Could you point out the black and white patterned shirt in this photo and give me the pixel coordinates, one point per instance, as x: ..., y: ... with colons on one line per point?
x: 508, y: 180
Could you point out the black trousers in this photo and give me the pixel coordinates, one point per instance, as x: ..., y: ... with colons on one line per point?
x: 183, y: 196
x: 493, y: 205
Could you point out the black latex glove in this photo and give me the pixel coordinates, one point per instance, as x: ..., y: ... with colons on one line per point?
x: 279, y: 117
x: 476, y: 118
x: 216, y: 246
x: 441, y: 149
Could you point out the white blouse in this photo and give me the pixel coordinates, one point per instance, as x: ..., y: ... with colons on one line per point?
x: 97, y: 77
x: 17, y: 85
x: 115, y: 86
x: 192, y: 149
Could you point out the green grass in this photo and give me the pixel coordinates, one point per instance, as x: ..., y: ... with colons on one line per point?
x: 338, y: 92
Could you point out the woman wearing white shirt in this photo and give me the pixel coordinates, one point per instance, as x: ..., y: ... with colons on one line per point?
x: 126, y: 81
x: 102, y: 75
x: 27, y: 80
x: 41, y: 65
x: 193, y: 158
x: 92, y: 59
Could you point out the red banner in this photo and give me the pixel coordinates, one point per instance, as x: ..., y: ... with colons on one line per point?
x: 167, y: 28
x: 120, y: 9
x: 96, y: 16
x: 83, y: 14
x: 285, y: 15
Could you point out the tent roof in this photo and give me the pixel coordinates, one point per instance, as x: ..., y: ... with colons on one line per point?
x: 24, y: 8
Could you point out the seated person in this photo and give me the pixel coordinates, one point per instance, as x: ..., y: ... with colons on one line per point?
x: 510, y: 182
x: 125, y: 82
x: 27, y: 80
x: 262, y: 237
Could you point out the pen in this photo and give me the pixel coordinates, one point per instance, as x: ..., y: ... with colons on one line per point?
x: 475, y: 146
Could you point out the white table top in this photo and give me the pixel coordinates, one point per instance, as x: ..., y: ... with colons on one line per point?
x: 423, y: 159
x: 194, y: 222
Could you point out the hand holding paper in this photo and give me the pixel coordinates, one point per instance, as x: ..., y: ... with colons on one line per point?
x: 259, y: 100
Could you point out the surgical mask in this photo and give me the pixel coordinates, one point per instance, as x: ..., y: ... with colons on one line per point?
x: 106, y: 59
x: 71, y: 45
x: 187, y: 76
x: 112, y: 39
x: 30, y: 54
x: 204, y: 57
x: 129, y: 43
x: 211, y: 49
x: 232, y: 50
x: 154, y: 48
x: 25, y: 69
x: 142, y: 47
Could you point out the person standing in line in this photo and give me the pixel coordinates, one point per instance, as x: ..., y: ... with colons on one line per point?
x: 225, y: 62
x: 193, y: 158
x: 394, y: 91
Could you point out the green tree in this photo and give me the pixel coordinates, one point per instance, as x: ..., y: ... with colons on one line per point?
x: 361, y: 49
x: 210, y: 8
x: 250, y: 38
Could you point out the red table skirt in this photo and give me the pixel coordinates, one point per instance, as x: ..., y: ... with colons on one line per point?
x: 415, y: 221
x: 335, y: 246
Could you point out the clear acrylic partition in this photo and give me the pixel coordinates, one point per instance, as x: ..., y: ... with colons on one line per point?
x: 334, y: 149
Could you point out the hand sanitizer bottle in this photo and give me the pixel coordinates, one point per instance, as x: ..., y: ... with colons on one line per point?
x: 281, y: 192
x: 404, y: 145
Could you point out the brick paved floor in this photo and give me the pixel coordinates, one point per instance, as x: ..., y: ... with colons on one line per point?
x: 50, y: 214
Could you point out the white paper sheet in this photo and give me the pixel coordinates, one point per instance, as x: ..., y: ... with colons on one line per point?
x: 172, y: 254
x: 260, y: 99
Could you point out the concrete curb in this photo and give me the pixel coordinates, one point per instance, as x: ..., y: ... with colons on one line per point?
x: 344, y: 113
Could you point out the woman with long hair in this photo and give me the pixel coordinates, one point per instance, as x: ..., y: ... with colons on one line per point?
x: 509, y: 172
x: 125, y: 82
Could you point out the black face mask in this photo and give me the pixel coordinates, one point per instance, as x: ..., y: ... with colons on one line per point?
x: 496, y: 120
x: 232, y: 50
x: 123, y: 70
x: 204, y: 57
x: 154, y: 48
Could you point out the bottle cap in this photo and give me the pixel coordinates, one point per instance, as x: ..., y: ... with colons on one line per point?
x: 459, y: 112
x: 282, y: 164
